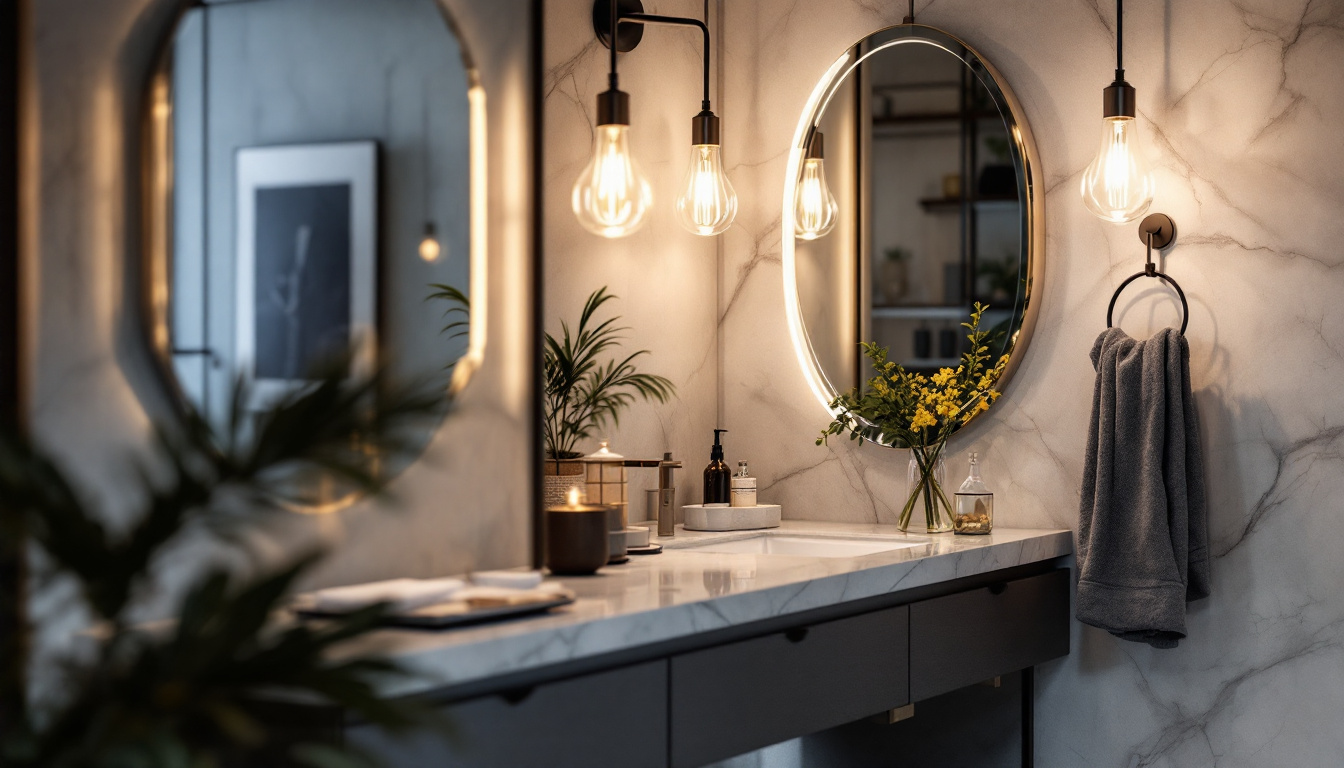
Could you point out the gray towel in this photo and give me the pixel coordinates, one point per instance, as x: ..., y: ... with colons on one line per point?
x: 1143, y: 529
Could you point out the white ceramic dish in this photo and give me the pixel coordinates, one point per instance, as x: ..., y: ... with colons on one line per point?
x: 636, y: 536
x: 698, y: 517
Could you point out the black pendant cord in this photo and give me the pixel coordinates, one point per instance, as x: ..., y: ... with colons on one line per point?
x: 1118, y: 97
x: 1119, y: 40
x: 612, y: 79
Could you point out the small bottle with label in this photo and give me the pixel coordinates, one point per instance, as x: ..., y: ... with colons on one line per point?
x: 744, y: 487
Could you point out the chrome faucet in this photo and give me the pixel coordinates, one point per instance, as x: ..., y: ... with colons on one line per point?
x: 667, y: 491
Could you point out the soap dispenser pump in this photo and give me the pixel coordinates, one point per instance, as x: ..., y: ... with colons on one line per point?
x: 717, y: 475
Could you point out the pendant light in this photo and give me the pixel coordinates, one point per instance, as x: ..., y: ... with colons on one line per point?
x: 429, y: 249
x: 429, y: 245
x: 611, y: 198
x: 814, y: 207
x: 707, y: 204
x: 1118, y: 185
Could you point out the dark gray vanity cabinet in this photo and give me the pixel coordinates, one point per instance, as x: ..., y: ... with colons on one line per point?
x: 963, y: 638
x: 709, y: 697
x: 613, y: 718
x: 734, y: 698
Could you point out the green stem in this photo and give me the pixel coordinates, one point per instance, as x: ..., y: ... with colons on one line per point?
x: 904, y: 522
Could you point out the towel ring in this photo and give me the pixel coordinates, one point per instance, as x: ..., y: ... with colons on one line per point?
x: 1156, y: 230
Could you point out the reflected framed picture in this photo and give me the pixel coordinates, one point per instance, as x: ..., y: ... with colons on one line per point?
x: 306, y: 263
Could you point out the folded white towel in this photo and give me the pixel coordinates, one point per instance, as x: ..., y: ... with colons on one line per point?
x: 545, y: 589
x: 402, y: 594
x: 509, y: 579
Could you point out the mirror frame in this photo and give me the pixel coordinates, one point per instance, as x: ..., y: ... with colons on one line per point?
x: 156, y: 163
x: 1030, y: 184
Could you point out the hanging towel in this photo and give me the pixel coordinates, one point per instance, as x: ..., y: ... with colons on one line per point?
x: 1143, y: 528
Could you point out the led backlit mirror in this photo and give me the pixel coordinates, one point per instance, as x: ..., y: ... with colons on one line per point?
x: 936, y: 206
x: 308, y: 194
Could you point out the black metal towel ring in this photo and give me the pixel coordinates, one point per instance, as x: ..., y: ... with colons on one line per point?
x: 1156, y: 230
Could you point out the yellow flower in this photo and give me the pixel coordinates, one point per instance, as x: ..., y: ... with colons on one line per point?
x: 943, y: 376
x: 923, y: 419
x: 980, y: 406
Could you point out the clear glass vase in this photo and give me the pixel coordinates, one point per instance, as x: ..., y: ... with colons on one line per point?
x: 924, y: 496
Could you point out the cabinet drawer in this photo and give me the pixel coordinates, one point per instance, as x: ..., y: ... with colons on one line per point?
x: 971, y: 636
x: 745, y: 695
x: 615, y: 719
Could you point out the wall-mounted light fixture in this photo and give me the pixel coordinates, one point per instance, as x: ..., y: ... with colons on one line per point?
x: 1118, y: 185
x: 611, y: 198
x: 814, y: 207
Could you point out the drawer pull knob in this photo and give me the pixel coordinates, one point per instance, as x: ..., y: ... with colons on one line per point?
x: 516, y: 696
x: 997, y: 588
x: 796, y: 635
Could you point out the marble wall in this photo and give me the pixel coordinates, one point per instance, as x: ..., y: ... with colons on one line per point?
x: 667, y: 279
x: 1240, y: 102
x: 94, y: 396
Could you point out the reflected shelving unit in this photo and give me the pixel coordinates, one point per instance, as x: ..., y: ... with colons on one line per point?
x: 939, y: 192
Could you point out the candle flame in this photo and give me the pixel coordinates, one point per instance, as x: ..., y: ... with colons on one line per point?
x: 573, y: 497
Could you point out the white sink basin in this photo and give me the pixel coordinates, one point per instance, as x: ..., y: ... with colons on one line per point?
x: 804, y: 546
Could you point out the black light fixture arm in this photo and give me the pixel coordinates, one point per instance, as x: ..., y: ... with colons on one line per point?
x: 679, y: 21
x: 608, y: 18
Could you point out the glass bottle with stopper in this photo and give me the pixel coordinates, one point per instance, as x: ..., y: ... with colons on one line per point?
x: 974, y: 503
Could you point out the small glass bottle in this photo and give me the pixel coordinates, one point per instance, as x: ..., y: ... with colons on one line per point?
x: 974, y: 503
x: 743, y: 487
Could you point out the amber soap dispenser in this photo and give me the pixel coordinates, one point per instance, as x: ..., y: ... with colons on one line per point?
x: 718, y: 477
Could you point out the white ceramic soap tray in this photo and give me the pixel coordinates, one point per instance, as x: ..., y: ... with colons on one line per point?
x: 698, y: 517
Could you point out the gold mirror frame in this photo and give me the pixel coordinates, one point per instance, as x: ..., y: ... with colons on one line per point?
x: 1030, y: 181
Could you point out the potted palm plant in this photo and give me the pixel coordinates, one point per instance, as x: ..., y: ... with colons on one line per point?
x: 585, y: 392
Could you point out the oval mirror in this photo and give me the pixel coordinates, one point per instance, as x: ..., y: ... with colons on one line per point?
x: 308, y: 175
x: 936, y: 206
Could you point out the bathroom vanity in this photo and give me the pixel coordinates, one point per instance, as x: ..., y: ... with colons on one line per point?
x: 730, y: 642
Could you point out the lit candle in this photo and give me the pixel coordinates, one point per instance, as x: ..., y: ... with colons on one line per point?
x: 577, y: 536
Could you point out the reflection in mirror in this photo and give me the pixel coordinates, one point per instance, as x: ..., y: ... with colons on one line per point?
x: 930, y: 162
x: 310, y: 196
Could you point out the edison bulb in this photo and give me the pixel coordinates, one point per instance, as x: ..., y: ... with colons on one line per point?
x: 1117, y: 185
x: 429, y: 246
x: 707, y: 204
x: 814, y: 207
x: 611, y: 197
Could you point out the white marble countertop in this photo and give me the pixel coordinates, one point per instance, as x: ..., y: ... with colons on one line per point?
x: 655, y: 598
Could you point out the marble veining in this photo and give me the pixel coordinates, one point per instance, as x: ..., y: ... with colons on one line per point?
x: 683, y: 592
x: 1240, y: 105
x: 1238, y: 108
